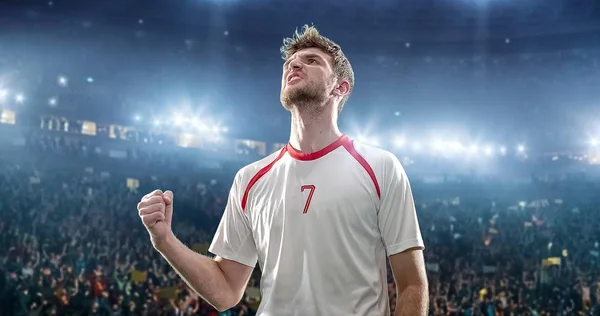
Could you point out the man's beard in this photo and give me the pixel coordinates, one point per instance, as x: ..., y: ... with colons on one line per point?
x: 303, y: 98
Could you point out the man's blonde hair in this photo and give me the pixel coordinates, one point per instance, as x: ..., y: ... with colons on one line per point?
x: 309, y: 37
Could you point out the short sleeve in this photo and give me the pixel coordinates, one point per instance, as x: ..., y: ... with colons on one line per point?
x: 233, y: 239
x: 397, y: 216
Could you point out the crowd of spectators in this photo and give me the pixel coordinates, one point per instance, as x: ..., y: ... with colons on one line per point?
x: 71, y: 244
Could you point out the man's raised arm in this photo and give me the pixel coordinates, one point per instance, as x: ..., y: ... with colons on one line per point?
x: 220, y: 282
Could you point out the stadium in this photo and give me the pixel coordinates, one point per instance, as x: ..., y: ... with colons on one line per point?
x: 490, y: 106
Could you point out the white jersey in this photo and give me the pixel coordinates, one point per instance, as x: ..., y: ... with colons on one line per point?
x: 320, y: 226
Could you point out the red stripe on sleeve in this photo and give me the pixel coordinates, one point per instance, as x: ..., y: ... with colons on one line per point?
x: 350, y: 148
x: 259, y: 175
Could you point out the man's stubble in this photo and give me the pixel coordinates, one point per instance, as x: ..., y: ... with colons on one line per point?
x: 310, y: 97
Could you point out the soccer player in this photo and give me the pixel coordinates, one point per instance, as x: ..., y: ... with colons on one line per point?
x: 320, y: 215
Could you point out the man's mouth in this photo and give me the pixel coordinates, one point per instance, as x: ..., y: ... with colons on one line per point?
x: 293, y: 77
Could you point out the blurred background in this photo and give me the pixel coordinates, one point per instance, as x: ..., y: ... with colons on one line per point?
x: 493, y: 106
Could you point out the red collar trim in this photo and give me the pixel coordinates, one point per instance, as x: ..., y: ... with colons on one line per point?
x: 317, y: 154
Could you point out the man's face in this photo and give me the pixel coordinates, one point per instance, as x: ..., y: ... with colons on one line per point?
x: 308, y: 79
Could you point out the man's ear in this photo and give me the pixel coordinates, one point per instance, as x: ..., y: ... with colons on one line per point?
x: 342, y: 88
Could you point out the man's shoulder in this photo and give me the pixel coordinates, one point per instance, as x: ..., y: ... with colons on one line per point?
x: 246, y: 173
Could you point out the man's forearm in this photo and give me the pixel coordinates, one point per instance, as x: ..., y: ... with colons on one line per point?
x: 413, y: 300
x: 201, y: 273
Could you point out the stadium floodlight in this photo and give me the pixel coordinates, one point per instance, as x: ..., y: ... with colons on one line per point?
x: 63, y: 81
x: 156, y: 123
x: 503, y: 150
x: 521, y: 148
x: 19, y: 98
x: 137, y: 118
x: 488, y: 150
x: 594, y: 142
x: 416, y: 146
x: 3, y: 94
x: 178, y: 120
x: 52, y: 101
x: 438, y: 145
x: 473, y: 149
x: 368, y: 140
x: 399, y: 142
x: 455, y: 146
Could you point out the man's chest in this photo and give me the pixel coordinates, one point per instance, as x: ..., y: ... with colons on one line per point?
x: 287, y: 203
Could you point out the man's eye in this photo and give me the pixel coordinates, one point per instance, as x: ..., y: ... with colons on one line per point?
x: 312, y: 61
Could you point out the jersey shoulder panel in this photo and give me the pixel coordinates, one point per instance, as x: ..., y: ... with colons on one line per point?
x: 252, y: 173
x: 246, y: 173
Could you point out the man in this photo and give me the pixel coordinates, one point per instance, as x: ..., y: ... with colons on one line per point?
x: 319, y: 216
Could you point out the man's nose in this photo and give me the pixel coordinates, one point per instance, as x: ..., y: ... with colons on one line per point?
x: 295, y: 65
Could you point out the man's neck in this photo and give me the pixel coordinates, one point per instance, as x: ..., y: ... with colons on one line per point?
x: 312, y: 132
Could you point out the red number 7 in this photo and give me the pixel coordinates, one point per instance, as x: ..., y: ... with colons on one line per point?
x: 310, y: 194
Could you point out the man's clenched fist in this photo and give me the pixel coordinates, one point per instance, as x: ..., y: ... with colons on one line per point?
x: 156, y: 210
